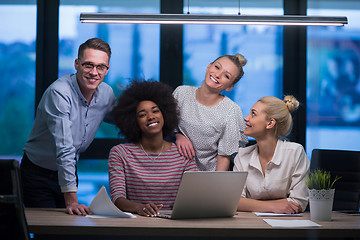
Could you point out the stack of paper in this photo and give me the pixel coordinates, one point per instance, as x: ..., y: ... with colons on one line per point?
x: 291, y: 223
x: 263, y: 214
x: 286, y: 223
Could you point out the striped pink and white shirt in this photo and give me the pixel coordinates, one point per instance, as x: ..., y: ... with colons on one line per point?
x: 139, y: 178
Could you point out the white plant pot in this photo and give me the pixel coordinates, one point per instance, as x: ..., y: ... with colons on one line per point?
x: 321, y: 204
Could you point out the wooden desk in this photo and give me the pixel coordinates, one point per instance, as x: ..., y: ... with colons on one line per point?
x: 56, y: 224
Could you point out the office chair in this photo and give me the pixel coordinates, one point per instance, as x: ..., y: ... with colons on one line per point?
x: 344, y: 164
x: 100, y: 148
x: 12, y: 217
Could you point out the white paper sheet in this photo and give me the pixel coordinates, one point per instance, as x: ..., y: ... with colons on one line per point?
x: 262, y: 214
x: 102, y: 206
x: 291, y: 223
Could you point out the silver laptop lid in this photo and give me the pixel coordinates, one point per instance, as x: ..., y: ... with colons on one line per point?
x: 208, y: 194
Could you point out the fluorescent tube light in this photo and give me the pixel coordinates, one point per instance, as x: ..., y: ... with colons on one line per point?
x: 212, y: 19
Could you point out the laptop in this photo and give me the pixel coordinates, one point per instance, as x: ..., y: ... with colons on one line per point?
x: 207, y: 195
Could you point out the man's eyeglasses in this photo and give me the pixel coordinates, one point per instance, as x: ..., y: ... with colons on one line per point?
x: 88, y: 66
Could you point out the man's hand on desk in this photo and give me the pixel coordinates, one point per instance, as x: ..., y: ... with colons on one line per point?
x: 73, y: 206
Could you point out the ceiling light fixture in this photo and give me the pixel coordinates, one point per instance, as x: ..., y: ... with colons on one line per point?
x: 212, y: 19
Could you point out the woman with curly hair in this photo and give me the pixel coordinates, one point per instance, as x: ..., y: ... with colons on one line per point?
x: 145, y: 173
x: 276, y: 168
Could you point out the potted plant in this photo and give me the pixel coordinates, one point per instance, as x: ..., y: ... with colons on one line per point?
x: 321, y: 194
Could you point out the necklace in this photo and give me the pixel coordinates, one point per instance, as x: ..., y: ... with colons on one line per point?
x: 153, y: 159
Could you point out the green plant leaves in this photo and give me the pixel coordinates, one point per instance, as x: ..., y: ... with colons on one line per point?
x: 320, y: 179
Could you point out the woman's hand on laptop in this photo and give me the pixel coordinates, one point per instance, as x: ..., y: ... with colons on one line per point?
x: 149, y: 209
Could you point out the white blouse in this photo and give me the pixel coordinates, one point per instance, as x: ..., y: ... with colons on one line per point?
x: 284, y: 176
x: 217, y: 130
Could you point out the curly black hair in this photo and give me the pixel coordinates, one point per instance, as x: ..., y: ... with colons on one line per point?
x: 124, y: 112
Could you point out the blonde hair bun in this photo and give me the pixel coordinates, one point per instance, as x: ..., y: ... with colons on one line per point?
x: 241, y: 59
x: 291, y: 103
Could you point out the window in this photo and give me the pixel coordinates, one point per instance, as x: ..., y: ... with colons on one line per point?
x: 135, y: 48
x: 260, y: 45
x: 135, y: 54
x: 17, y: 78
x: 333, y: 78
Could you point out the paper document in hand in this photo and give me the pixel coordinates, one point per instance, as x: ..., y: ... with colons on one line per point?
x: 103, y: 206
